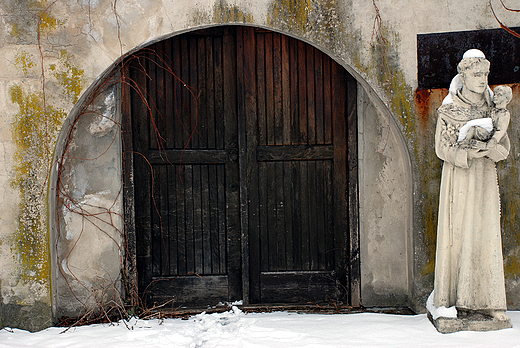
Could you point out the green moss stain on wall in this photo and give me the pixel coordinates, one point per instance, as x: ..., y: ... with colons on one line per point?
x: 385, y: 66
x: 290, y: 15
x: 26, y: 16
x: 34, y: 130
x: 317, y: 20
x: 222, y: 12
x: 69, y: 76
x: 508, y: 179
x: 24, y: 61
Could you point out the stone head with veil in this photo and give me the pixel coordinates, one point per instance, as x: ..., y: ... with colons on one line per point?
x: 471, y: 136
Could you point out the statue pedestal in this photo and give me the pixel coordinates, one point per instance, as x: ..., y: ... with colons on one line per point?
x: 469, y: 322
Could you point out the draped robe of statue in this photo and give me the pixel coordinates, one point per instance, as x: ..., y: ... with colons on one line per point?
x: 468, y: 268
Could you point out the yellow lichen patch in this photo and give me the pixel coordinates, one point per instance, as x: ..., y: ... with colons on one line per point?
x: 29, y: 17
x: 47, y: 22
x: 512, y: 266
x: 24, y: 61
x: 312, y: 19
x: 69, y: 76
x: 222, y: 12
x: 289, y: 14
x: 34, y: 129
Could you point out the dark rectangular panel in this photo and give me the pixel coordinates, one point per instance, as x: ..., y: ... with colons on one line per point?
x: 295, y: 153
x: 191, y: 290
x: 438, y: 55
x: 298, y: 287
x: 187, y: 156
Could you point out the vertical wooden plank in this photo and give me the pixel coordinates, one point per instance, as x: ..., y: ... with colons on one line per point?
x: 313, y: 202
x: 286, y: 256
x: 321, y: 210
x: 318, y: 95
x: 156, y: 223
x: 263, y: 188
x: 311, y: 112
x: 304, y: 206
x: 295, y: 62
x: 288, y: 213
x: 197, y: 219
x: 271, y: 216
x: 277, y: 84
x: 219, y: 94
x: 143, y: 217
x: 329, y: 217
x: 128, y: 183
x: 210, y: 93
x: 186, y: 96
x: 261, y: 88
x: 327, y: 95
x: 194, y: 109
x: 248, y: 141
x: 286, y: 91
x: 269, y: 89
x: 181, y: 219
x: 161, y: 90
x: 340, y: 171
x: 214, y: 219
x: 291, y: 181
x: 353, y: 193
x: 302, y: 93
x: 170, y: 94
x: 281, y: 232
x: 206, y: 222
x: 151, y: 65
x: 297, y: 218
x: 178, y: 91
x: 164, y: 221
x: 172, y: 220
x: 189, y: 217
x: 222, y: 214
x: 233, y: 82
x: 202, y: 93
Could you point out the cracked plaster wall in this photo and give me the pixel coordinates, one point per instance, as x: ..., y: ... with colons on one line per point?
x: 95, y: 33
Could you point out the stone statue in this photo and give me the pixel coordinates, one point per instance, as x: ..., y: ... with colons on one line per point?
x: 471, y: 136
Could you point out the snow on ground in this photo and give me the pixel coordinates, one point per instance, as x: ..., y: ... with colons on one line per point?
x: 281, y: 329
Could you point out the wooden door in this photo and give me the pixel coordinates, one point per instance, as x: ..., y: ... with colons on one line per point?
x: 296, y: 101
x: 240, y: 156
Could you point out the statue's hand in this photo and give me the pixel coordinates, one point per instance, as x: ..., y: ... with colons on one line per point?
x: 477, y: 153
x: 478, y: 145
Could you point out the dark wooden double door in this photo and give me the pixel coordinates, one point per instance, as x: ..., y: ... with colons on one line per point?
x: 241, y: 142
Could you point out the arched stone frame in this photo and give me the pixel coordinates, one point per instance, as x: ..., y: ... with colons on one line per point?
x: 367, y: 99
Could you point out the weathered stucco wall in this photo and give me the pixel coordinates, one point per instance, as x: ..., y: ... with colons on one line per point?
x: 51, y: 51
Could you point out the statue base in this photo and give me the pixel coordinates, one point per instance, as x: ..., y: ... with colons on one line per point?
x: 469, y: 321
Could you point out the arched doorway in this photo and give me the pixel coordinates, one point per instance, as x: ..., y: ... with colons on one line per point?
x: 241, y: 181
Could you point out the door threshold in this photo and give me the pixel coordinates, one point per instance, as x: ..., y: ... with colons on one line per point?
x: 311, y: 308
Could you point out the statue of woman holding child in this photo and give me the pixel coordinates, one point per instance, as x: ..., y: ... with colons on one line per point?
x: 470, y: 137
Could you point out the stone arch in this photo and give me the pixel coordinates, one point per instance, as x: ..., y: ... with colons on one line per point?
x: 91, y: 132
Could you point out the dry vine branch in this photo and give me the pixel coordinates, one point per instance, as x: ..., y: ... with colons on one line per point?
x: 502, y: 25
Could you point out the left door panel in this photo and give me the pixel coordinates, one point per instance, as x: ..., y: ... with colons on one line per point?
x: 184, y: 131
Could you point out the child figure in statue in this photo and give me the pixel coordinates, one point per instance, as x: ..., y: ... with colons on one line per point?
x: 502, y: 96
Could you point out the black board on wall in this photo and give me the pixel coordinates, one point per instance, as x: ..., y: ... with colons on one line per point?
x: 438, y: 55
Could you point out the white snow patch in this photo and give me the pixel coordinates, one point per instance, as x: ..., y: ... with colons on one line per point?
x: 441, y: 311
x: 275, y: 330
